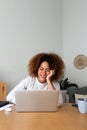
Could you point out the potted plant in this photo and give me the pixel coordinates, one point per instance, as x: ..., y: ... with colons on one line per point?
x: 64, y: 84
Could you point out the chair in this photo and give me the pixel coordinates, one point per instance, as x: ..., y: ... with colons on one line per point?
x: 2, y: 91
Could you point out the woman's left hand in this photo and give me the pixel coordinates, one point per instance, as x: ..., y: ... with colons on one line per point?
x: 52, y: 72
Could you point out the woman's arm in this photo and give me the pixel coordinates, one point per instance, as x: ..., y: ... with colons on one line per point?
x: 21, y: 86
x: 55, y: 86
x: 50, y: 84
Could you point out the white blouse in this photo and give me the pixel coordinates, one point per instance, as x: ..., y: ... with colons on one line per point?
x: 30, y: 83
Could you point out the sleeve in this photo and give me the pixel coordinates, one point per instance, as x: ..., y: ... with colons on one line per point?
x: 60, y: 97
x: 11, y: 96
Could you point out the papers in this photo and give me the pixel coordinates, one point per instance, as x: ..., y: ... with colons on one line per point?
x: 6, y: 106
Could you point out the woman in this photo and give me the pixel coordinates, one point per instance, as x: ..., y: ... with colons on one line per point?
x: 45, y: 69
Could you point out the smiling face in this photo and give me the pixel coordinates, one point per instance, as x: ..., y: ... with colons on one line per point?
x: 43, y: 72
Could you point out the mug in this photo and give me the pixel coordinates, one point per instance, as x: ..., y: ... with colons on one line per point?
x: 82, y: 105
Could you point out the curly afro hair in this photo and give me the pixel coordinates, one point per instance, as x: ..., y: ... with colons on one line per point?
x: 55, y: 63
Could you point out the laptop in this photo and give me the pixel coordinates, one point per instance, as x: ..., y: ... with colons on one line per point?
x: 36, y: 100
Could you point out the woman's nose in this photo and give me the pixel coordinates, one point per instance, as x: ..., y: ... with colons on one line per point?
x: 44, y: 71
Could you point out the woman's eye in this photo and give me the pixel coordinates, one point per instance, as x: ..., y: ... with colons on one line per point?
x: 47, y: 70
x: 41, y: 68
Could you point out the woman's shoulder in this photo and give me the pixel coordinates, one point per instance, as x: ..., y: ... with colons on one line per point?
x: 28, y: 78
x: 56, y: 82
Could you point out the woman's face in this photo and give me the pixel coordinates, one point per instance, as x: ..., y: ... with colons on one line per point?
x: 43, y: 72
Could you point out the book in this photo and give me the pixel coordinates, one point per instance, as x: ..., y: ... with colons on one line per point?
x: 3, y: 103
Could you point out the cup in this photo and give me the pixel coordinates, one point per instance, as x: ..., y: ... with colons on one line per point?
x: 82, y: 105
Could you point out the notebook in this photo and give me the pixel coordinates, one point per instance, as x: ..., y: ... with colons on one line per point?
x: 36, y: 100
x: 3, y: 103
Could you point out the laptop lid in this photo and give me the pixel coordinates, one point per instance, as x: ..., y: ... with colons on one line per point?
x: 36, y: 100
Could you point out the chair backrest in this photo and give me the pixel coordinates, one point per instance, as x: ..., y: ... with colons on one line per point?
x: 2, y: 91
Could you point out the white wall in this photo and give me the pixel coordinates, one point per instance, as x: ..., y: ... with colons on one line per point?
x: 75, y: 38
x: 26, y: 28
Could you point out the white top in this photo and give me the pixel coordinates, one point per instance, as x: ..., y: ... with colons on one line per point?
x: 30, y: 83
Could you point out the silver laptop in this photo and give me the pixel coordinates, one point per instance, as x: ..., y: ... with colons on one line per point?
x: 36, y: 100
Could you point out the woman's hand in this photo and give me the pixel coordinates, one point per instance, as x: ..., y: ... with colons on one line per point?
x: 52, y: 72
x: 50, y: 84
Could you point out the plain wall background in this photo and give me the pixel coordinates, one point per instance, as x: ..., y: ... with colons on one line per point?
x: 75, y: 38
x: 27, y: 27
x: 31, y: 26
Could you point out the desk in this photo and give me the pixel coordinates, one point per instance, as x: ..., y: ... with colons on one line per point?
x: 66, y: 118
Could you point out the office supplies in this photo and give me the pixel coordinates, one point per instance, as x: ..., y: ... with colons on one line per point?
x: 6, y: 106
x: 3, y: 103
x: 8, y: 109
